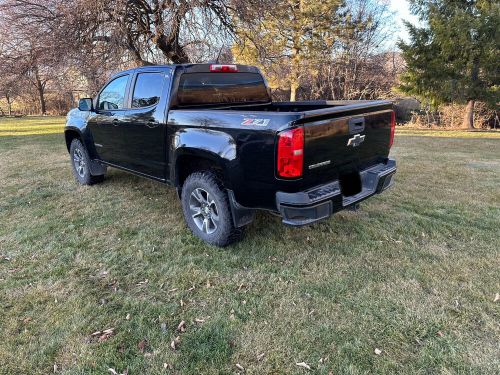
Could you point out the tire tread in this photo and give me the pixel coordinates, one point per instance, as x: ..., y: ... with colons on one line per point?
x: 89, y: 179
x: 211, y: 178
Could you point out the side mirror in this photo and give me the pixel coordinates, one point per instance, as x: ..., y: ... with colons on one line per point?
x: 85, y: 104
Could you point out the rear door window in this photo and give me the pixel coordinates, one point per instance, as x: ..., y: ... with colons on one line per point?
x: 147, y: 89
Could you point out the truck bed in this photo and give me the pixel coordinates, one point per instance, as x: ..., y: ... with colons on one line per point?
x: 310, y: 107
x: 328, y: 127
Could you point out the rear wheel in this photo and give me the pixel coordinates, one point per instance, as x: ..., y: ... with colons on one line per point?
x: 80, y: 162
x: 206, y: 209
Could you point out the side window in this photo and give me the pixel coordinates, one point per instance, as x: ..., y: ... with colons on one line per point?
x: 147, y: 90
x: 113, y: 95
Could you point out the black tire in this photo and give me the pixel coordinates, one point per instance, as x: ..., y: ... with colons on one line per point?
x: 219, y: 229
x: 80, y: 163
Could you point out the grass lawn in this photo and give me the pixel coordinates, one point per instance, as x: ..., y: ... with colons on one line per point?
x: 413, y: 274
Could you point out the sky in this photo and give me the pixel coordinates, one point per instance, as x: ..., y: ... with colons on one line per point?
x: 402, y: 12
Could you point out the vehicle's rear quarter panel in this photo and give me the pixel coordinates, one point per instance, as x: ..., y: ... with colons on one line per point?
x: 251, y: 174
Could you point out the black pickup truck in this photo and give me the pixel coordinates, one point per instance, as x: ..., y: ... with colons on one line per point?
x: 212, y: 132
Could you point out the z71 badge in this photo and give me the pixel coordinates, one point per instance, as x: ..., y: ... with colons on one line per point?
x: 256, y: 121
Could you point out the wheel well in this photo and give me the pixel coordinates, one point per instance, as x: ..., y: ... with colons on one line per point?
x: 187, y: 164
x: 69, y: 135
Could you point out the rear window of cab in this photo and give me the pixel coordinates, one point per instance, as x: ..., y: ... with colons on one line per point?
x: 221, y: 88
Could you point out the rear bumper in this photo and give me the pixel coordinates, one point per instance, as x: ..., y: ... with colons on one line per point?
x: 320, y: 202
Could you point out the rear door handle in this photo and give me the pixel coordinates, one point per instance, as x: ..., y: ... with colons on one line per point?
x: 152, y: 123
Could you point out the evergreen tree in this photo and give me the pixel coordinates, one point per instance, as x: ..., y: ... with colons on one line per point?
x: 453, y: 57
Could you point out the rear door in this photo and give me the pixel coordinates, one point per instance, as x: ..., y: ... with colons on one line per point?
x: 345, y: 141
x: 144, y: 125
x: 109, y: 114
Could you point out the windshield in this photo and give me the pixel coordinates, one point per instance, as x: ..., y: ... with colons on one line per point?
x: 221, y: 88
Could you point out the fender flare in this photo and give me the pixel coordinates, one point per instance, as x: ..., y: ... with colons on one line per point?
x: 213, y: 145
x: 96, y: 168
x: 218, y: 147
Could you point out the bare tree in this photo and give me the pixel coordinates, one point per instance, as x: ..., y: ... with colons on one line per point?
x: 150, y: 31
x: 30, y: 53
x: 9, y: 90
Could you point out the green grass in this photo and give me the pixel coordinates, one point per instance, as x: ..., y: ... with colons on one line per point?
x: 414, y: 273
x: 447, y: 133
x: 31, y: 125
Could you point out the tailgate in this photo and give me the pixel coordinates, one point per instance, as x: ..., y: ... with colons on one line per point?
x: 344, y: 140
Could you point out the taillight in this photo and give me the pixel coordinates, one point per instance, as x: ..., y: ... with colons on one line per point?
x: 393, y: 127
x: 290, y: 153
x: 220, y: 68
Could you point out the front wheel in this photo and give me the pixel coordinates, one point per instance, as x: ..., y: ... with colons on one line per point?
x: 206, y: 209
x: 80, y: 162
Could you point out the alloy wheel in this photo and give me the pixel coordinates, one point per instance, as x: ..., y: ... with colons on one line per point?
x: 203, y: 211
x: 79, y: 162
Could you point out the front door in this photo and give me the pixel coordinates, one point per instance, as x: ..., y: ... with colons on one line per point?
x: 144, y: 125
x: 109, y: 115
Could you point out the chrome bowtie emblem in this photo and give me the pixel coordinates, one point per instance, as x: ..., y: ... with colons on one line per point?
x: 356, y: 140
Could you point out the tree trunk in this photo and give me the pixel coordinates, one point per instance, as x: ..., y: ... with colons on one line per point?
x: 468, y: 121
x: 40, y: 88
x: 295, y: 72
x: 296, y: 58
x: 293, y: 92
x: 9, y: 104
x: 41, y: 99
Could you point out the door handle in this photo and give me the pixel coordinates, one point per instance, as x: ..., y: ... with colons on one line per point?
x: 115, y: 122
x: 356, y: 125
x: 152, y: 123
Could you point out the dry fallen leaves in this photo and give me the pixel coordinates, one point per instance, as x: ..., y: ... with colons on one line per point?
x: 240, y: 367
x: 142, y: 345
x: 199, y: 320
x: 103, y: 335
x: 106, y: 334
x: 113, y: 371
x: 497, y: 297
x: 378, y: 351
x: 103, y: 273
x: 439, y: 333
x: 260, y: 356
x: 182, y: 326
x: 175, y: 342
x: 303, y: 365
